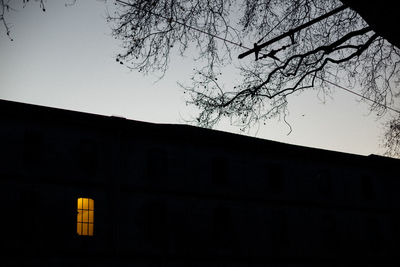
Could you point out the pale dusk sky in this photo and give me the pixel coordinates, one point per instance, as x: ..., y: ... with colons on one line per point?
x: 65, y: 58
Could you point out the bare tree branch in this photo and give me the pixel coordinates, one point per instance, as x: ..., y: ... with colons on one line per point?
x: 7, y: 6
x: 325, y: 41
x: 312, y: 42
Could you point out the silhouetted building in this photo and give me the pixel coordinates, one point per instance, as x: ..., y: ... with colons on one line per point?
x: 87, y: 190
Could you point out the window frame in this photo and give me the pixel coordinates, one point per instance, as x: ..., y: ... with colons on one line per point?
x: 85, y: 216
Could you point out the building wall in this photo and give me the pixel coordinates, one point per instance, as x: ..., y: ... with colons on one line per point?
x: 176, y: 194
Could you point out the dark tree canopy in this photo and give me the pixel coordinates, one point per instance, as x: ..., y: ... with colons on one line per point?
x: 383, y: 18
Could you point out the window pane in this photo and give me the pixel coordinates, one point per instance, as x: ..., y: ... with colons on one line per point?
x: 80, y: 213
x: 79, y: 203
x: 275, y: 179
x: 85, y: 215
x: 367, y: 188
x: 91, y: 216
x: 91, y: 204
x: 85, y: 229
x: 219, y: 169
x: 85, y: 204
x: 157, y: 164
x: 90, y: 229
x: 79, y: 228
x: 33, y: 148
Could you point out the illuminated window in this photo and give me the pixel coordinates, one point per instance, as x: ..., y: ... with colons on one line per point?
x: 85, y: 216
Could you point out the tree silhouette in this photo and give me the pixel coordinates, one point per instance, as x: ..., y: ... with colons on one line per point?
x: 12, y: 5
x: 392, y: 137
x: 280, y: 48
x: 296, y: 45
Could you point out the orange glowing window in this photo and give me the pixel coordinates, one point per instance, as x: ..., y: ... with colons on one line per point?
x: 85, y: 218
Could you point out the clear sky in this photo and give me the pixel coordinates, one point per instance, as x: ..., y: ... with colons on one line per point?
x: 65, y: 58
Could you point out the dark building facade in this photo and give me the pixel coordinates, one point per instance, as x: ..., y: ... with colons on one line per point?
x: 175, y: 195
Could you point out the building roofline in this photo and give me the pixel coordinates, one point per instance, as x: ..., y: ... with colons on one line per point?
x: 177, y: 133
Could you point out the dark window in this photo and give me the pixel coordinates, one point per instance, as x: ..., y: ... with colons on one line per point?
x: 395, y: 227
x: 279, y: 231
x: 275, y: 179
x: 324, y: 183
x: 329, y: 232
x: 367, y: 188
x: 157, y: 164
x: 29, y: 211
x: 222, y: 230
x: 32, y: 150
x: 373, y: 235
x: 219, y: 171
x: 155, y: 224
x: 88, y: 157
